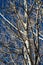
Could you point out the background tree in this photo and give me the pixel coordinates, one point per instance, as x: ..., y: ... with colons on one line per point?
x: 20, y: 32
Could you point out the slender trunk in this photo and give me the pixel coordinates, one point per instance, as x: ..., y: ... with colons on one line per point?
x: 27, y: 43
x: 37, y: 37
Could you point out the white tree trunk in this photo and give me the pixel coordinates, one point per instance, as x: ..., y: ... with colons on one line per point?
x: 26, y: 56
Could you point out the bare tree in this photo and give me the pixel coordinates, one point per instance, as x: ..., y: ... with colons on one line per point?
x: 22, y: 43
